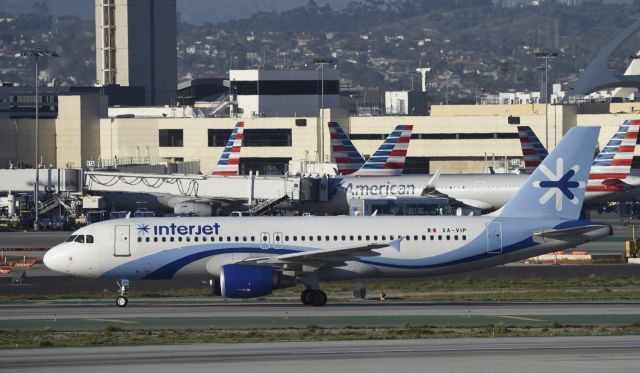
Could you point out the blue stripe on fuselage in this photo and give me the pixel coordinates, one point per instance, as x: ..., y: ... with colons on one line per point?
x: 165, y: 264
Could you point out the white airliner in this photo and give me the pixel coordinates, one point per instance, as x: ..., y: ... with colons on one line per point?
x: 610, y: 171
x: 252, y: 256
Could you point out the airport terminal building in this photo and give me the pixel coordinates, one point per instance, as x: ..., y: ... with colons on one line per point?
x: 452, y: 139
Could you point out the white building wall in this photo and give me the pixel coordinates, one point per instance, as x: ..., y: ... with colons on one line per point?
x: 396, y: 102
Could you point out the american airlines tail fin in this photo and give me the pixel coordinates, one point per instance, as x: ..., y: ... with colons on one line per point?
x: 229, y: 162
x: 614, y: 161
x: 389, y: 159
x: 348, y: 159
x: 557, y: 187
x: 533, y: 151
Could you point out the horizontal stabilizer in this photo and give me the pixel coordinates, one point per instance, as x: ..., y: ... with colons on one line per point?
x: 570, y: 234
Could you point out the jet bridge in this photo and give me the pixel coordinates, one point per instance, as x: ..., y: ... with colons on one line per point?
x: 252, y: 190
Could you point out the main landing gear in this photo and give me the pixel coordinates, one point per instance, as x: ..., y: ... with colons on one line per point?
x: 122, y: 300
x: 313, y: 297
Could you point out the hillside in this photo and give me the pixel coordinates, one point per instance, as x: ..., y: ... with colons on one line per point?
x: 469, y: 44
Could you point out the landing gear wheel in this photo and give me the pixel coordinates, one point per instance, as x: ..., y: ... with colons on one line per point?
x: 318, y: 298
x: 305, y: 297
x: 122, y: 301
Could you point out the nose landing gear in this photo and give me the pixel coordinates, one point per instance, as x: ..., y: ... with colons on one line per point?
x: 122, y: 300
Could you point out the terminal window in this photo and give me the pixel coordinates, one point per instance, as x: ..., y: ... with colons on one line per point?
x: 264, y: 166
x: 218, y: 138
x: 171, y: 137
x: 267, y: 137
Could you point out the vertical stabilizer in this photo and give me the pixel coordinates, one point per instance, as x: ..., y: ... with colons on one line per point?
x: 533, y: 151
x: 557, y: 187
x: 348, y: 159
x: 229, y: 163
x: 613, y: 164
x: 389, y: 159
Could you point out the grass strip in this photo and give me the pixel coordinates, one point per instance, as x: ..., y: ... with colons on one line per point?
x: 601, y: 288
x: 113, y: 335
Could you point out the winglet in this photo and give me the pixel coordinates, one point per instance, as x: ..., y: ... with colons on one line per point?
x: 396, y: 244
x: 389, y: 159
x: 431, y: 184
x: 229, y: 162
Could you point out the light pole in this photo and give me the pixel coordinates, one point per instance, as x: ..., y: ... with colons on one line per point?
x: 37, y: 53
x: 321, y: 62
x: 546, y: 55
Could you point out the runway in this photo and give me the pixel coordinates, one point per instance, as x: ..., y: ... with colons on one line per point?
x: 526, y: 355
x: 187, y: 314
x: 41, y: 281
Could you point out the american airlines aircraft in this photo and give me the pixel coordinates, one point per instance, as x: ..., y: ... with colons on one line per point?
x: 388, y: 159
x: 611, y: 171
x: 491, y: 191
x: 251, y: 256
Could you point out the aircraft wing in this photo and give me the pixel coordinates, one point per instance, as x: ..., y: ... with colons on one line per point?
x: 430, y: 190
x: 461, y: 201
x: 321, y: 258
x: 570, y: 233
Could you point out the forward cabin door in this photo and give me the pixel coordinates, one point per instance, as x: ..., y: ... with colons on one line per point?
x: 121, y: 242
x: 494, y: 238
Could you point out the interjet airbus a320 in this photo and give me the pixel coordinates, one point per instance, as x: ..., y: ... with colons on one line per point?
x: 252, y: 256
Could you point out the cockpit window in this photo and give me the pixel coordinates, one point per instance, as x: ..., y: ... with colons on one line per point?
x: 79, y: 238
x: 89, y: 238
x: 71, y: 238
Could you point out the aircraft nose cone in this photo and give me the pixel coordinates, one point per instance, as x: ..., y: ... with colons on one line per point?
x: 49, y: 258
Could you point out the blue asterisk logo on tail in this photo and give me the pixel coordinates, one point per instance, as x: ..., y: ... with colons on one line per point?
x: 559, y: 184
x: 143, y: 228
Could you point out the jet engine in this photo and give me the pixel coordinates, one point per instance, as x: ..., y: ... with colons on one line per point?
x: 250, y: 281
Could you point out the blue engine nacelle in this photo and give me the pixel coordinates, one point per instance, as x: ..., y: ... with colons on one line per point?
x: 250, y: 281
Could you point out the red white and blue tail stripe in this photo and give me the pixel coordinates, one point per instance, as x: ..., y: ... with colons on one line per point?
x: 229, y: 162
x: 348, y: 159
x: 389, y: 159
x: 613, y: 165
x: 533, y: 151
